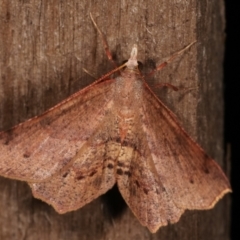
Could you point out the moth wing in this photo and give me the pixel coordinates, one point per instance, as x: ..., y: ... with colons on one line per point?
x: 141, y: 186
x: 91, y: 174
x: 40, y: 147
x: 191, y: 178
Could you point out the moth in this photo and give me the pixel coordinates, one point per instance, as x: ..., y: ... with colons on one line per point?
x: 115, y: 130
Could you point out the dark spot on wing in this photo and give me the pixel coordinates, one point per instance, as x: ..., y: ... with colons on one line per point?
x: 191, y: 181
x: 26, y: 155
x: 80, y: 177
x: 92, y: 173
x: 65, y: 174
x: 119, y: 171
x: 145, y: 190
x: 137, y: 183
x: 206, y: 170
x: 6, y: 142
x: 110, y: 166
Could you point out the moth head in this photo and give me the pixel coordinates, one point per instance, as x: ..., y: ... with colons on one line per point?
x: 132, y: 61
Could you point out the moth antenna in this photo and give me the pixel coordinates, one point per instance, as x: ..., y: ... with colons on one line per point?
x: 105, y: 44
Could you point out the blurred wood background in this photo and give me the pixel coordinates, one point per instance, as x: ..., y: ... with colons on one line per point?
x: 44, y: 46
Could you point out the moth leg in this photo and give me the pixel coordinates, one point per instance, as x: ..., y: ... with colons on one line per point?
x: 168, y: 60
x: 105, y: 44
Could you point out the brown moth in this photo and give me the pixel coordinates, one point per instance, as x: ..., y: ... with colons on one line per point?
x: 114, y: 131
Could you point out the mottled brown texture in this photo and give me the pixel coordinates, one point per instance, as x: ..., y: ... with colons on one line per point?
x: 43, y: 47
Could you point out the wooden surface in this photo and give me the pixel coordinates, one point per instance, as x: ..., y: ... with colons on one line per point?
x: 43, y: 47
